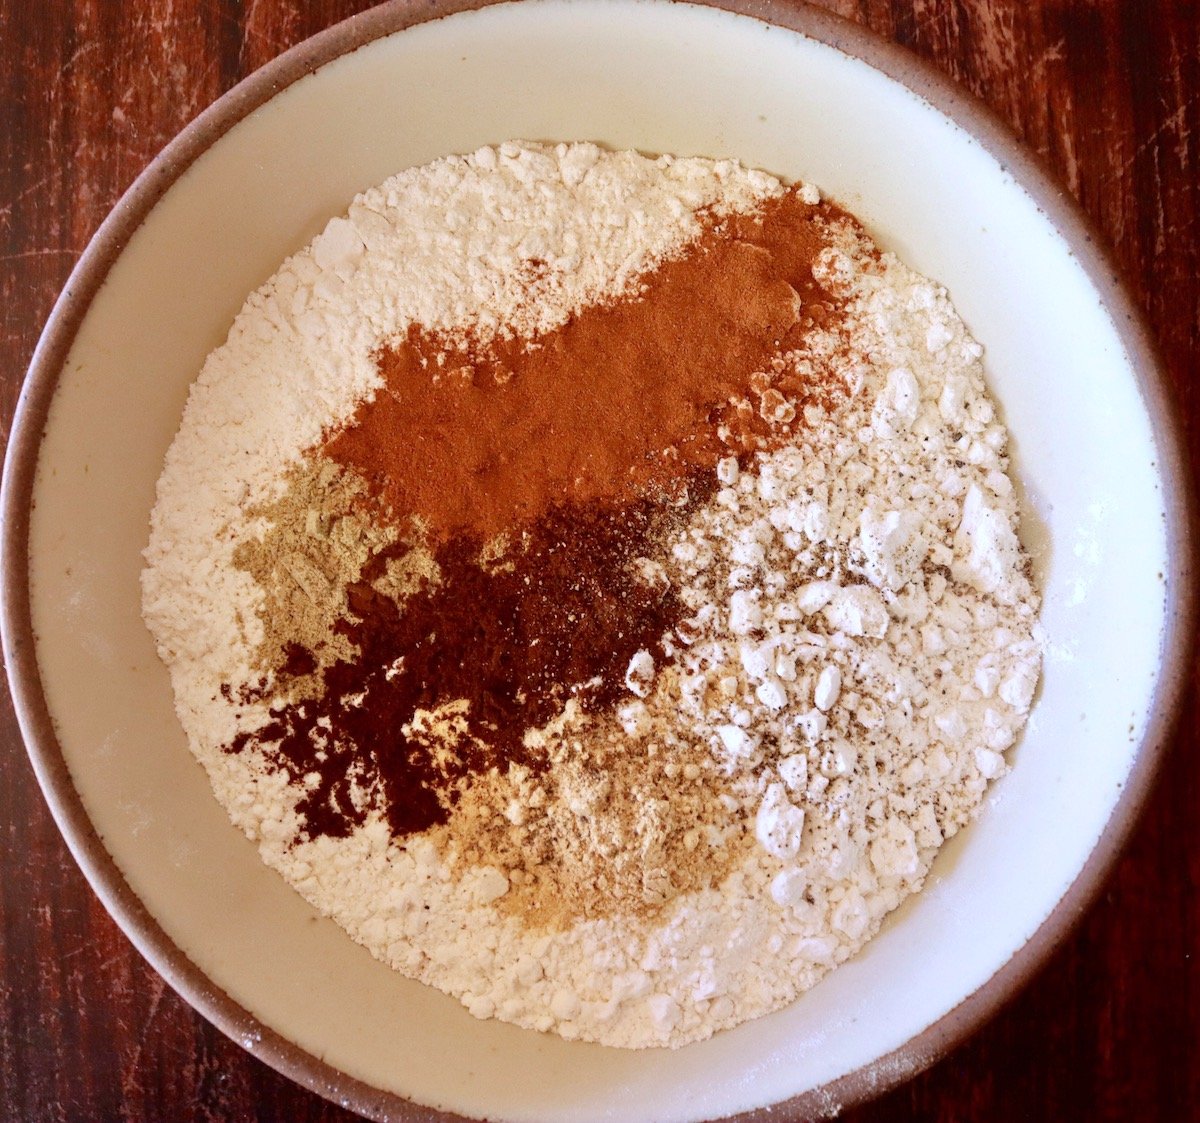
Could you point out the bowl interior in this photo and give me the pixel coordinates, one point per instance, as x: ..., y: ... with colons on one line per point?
x: 659, y: 77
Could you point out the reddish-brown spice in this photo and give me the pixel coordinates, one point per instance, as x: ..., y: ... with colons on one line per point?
x: 625, y: 396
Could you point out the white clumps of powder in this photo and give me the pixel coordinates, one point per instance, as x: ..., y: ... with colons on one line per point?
x: 892, y: 601
x: 861, y: 649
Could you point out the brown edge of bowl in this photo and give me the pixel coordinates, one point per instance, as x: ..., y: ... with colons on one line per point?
x: 16, y: 627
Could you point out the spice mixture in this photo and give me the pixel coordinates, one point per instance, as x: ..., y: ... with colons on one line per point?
x: 594, y: 582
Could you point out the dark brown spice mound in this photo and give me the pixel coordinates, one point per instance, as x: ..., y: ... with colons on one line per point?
x: 558, y: 616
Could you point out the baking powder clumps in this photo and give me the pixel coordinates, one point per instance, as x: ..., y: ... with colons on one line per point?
x: 866, y: 666
x: 852, y: 655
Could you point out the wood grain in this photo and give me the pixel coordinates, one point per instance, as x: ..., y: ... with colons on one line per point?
x: 1106, y: 91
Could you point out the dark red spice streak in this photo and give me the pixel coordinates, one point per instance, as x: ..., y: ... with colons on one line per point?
x: 515, y: 643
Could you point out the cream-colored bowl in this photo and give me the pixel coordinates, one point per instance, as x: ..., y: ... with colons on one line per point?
x: 253, y: 180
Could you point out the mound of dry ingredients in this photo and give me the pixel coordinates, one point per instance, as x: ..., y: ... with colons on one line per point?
x: 593, y: 581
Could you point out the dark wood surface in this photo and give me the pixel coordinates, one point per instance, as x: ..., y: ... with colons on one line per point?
x: 1106, y: 91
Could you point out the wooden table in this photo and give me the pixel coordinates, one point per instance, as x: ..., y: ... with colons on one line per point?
x: 1106, y: 91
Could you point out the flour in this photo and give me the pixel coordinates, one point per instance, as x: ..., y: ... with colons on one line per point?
x: 857, y: 656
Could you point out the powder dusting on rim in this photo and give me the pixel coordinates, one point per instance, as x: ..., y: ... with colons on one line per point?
x: 849, y: 650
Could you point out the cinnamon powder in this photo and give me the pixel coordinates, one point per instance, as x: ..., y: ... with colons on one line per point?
x: 625, y: 397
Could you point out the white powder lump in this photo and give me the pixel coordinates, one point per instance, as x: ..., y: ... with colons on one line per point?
x: 861, y: 651
x: 887, y: 622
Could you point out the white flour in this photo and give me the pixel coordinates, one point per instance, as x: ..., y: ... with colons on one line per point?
x: 860, y: 653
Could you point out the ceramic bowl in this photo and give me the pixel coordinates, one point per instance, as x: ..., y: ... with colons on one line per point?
x: 253, y: 179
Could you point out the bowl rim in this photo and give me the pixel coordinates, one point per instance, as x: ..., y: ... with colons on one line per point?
x: 894, y: 61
